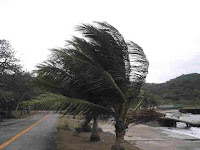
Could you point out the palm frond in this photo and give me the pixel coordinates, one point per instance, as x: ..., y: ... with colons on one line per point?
x: 50, y: 101
x: 139, y: 63
x: 81, y: 76
x: 109, y: 50
x: 100, y: 68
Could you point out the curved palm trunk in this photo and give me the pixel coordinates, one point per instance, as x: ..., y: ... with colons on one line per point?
x: 120, y: 132
x: 95, y: 134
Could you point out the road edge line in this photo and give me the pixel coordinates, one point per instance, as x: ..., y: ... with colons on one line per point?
x: 18, y: 135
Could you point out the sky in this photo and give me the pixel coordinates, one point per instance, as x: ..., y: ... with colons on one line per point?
x: 167, y: 30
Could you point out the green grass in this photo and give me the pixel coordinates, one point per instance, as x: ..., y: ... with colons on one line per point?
x: 66, y: 124
x: 57, y: 137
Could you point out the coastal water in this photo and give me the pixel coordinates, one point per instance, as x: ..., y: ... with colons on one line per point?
x: 181, y: 127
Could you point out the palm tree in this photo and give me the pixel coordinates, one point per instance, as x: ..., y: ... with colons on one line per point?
x: 102, y: 70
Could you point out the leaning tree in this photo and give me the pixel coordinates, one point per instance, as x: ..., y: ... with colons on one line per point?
x: 100, y: 71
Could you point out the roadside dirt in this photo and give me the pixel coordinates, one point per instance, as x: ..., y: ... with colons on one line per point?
x: 67, y: 140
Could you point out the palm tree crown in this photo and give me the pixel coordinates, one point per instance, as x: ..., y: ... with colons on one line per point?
x: 100, y: 68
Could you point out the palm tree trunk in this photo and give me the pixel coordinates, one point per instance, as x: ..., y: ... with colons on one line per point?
x: 95, y: 134
x: 120, y: 132
x: 85, y: 125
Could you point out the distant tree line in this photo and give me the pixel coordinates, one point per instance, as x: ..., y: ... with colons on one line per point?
x: 14, y: 81
x: 181, y: 89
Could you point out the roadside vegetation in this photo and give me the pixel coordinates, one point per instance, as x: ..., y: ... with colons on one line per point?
x: 15, y: 83
x: 23, y: 114
x: 65, y: 123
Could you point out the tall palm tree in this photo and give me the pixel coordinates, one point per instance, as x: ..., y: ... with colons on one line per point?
x: 100, y: 69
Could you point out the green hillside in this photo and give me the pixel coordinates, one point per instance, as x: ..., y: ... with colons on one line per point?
x: 183, y: 89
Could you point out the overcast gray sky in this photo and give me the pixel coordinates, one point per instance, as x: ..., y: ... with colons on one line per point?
x: 167, y: 30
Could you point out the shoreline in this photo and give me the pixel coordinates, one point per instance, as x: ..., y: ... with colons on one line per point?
x: 154, y: 138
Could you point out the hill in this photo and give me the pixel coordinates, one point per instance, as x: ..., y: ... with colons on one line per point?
x: 183, y: 88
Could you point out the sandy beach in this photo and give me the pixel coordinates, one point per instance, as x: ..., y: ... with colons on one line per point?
x: 155, y: 138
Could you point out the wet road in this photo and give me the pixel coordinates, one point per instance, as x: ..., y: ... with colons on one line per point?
x: 34, y: 133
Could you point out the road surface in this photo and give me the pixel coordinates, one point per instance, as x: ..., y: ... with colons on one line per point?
x: 34, y: 133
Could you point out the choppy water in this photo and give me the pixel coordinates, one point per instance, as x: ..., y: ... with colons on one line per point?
x: 181, y: 127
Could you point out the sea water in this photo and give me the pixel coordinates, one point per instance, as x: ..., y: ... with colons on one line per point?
x: 181, y: 127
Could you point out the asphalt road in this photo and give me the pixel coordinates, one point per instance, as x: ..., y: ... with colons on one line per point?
x: 37, y: 137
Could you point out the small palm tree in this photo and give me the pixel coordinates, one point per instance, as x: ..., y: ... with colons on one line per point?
x: 102, y: 70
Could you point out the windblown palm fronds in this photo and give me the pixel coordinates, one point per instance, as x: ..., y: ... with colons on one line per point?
x: 100, y: 68
x: 56, y: 102
x: 98, y: 65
